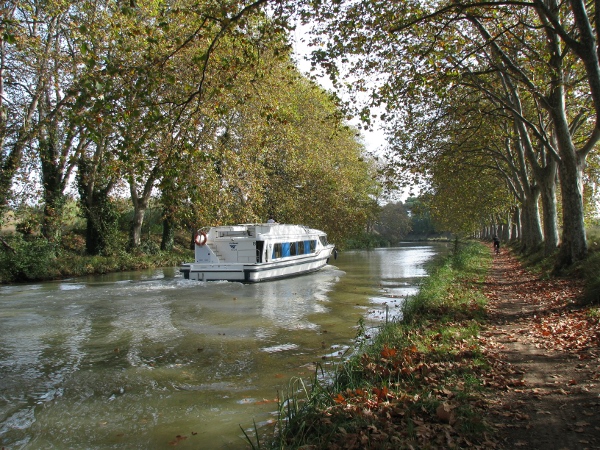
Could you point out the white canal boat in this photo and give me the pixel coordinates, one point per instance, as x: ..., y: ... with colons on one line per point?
x: 257, y: 252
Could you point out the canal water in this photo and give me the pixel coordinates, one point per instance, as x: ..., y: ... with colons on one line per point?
x: 148, y: 360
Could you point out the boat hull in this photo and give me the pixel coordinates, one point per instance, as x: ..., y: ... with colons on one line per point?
x: 254, y: 273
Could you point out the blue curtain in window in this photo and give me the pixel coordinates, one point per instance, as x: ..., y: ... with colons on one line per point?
x: 285, y: 249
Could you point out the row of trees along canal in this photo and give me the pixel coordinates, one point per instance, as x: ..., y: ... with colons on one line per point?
x: 195, y: 105
x: 495, y: 105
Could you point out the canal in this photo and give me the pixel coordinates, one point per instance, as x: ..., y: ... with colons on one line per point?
x: 149, y: 360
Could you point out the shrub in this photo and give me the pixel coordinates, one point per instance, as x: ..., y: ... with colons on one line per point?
x: 27, y: 260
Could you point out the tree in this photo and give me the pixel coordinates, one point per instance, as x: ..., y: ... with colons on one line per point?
x: 394, y: 222
x: 418, y: 209
x: 25, y: 53
x: 519, y: 40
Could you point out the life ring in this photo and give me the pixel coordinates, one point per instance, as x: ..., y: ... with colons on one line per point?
x: 200, y: 238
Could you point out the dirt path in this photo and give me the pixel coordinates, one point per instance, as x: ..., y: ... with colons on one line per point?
x: 545, y: 351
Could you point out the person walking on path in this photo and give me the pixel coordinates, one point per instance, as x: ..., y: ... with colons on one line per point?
x: 496, y: 244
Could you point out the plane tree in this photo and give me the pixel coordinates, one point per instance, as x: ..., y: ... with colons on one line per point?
x: 414, y: 47
x: 18, y: 99
x: 282, y: 150
x: 161, y: 76
x: 196, y: 101
x: 393, y: 223
x: 468, y: 167
x: 36, y: 69
x: 318, y: 171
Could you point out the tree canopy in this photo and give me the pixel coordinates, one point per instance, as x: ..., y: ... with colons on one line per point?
x: 531, y: 68
x: 494, y: 106
x: 197, y: 104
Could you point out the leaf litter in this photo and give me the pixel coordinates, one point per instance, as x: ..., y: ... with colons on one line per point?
x: 539, y: 385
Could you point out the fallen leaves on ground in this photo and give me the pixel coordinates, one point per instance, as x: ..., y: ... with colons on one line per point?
x: 421, y: 401
x: 542, y: 323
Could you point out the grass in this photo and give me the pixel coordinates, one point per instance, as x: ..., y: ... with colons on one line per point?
x: 412, y: 384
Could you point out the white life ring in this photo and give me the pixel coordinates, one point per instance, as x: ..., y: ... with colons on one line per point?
x: 200, y: 238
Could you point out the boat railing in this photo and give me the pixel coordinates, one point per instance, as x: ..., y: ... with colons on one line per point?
x: 235, y: 233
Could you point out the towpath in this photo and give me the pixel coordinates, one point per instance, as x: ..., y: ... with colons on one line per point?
x: 546, y: 354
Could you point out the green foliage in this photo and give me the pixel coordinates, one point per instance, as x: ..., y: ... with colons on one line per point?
x: 149, y: 247
x: 421, y: 223
x: 211, y: 112
x: 27, y: 259
x: 23, y: 260
x: 29, y: 222
x: 364, y: 240
x: 393, y: 223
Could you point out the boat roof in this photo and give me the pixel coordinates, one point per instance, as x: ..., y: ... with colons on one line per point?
x: 268, y: 228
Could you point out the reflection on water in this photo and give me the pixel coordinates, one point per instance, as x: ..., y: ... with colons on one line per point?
x: 148, y: 359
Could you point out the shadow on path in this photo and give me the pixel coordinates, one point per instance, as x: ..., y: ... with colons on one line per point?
x: 553, y: 395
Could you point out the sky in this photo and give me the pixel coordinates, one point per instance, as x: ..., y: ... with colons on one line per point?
x: 374, y: 140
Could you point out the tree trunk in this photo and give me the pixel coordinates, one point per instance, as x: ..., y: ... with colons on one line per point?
x: 94, y: 184
x: 549, y: 208
x: 516, y: 225
x: 506, y: 229
x: 573, y: 246
x: 101, y: 219
x: 54, y: 199
x: 53, y: 212
x: 532, y: 235
x: 139, y: 210
x: 168, y: 235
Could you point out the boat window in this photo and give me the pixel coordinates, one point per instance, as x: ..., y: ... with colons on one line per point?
x: 285, y: 249
x: 235, y: 233
x: 323, y: 240
x: 276, y: 251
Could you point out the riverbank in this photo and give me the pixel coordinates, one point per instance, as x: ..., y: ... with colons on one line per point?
x: 488, y: 355
x: 35, y: 259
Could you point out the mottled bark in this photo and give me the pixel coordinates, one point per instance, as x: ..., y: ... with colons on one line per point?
x: 516, y: 224
x: 139, y: 211
x: 573, y: 245
x: 531, y: 228
x: 549, y: 209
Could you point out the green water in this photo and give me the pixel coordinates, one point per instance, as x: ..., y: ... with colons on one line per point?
x: 149, y: 360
